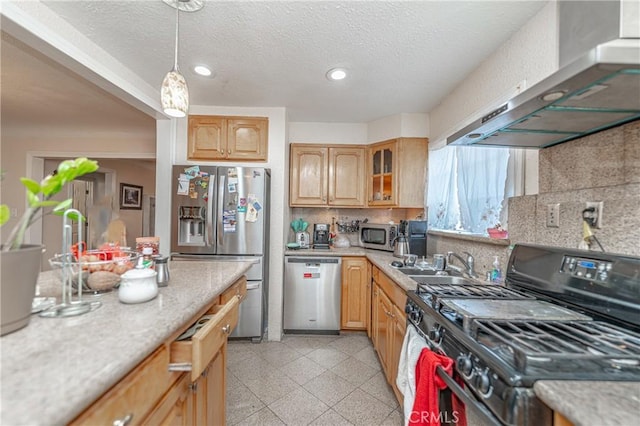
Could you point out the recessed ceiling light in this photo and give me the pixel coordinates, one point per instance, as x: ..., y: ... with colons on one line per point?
x: 202, y: 70
x: 336, y: 74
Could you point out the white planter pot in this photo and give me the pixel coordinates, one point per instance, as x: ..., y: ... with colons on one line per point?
x: 19, y: 276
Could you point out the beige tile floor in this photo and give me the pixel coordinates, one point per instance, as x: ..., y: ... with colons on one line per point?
x: 317, y: 380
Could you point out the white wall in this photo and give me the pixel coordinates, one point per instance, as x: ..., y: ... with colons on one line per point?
x: 172, y: 149
x: 328, y: 133
x: 529, y: 56
x: 393, y: 126
x: 399, y: 125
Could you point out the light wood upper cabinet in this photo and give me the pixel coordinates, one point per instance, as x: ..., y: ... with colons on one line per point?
x: 219, y: 138
x: 247, y: 139
x: 322, y: 175
x: 309, y: 175
x: 397, y: 171
x: 355, y: 304
x: 346, y: 169
x: 207, y: 137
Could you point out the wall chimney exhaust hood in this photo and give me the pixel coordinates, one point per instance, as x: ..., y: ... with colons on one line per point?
x: 597, y: 86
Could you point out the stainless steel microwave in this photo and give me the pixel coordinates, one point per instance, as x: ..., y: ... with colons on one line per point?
x: 378, y: 236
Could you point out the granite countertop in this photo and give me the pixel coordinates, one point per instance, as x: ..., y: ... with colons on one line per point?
x: 56, y: 367
x: 592, y: 403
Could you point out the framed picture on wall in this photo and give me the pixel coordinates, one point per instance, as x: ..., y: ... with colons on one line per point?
x: 130, y: 196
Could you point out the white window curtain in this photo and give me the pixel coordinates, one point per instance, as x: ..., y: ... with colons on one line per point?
x: 482, y: 173
x: 442, y: 202
x: 466, y: 188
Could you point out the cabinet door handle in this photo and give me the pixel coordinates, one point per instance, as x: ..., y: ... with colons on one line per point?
x: 226, y: 329
x: 222, y: 151
x: 123, y: 421
x: 193, y: 386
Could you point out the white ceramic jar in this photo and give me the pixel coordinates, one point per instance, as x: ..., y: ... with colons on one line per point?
x: 137, y: 286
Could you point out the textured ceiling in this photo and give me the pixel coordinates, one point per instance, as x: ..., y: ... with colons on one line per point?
x: 402, y: 56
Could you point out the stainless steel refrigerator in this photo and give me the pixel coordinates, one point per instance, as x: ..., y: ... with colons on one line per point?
x: 222, y: 213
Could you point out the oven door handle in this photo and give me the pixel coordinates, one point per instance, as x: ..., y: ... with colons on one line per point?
x: 468, y: 401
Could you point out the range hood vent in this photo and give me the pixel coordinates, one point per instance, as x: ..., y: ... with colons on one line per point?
x: 598, y: 90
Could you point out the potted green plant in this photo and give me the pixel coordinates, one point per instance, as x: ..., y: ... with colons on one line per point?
x: 20, y: 262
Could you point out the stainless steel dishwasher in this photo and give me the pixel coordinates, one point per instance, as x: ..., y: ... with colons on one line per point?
x: 312, y: 294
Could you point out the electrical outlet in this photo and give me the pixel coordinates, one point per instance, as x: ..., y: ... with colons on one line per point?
x: 597, y: 213
x: 553, y: 215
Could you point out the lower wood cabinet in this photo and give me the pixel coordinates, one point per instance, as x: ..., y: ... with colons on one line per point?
x: 175, y: 408
x: 388, y: 324
x: 193, y: 393
x: 355, y: 300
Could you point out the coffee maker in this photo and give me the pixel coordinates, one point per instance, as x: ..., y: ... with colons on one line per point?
x: 321, y: 236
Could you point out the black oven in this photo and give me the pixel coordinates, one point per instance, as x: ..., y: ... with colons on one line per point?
x: 549, y: 322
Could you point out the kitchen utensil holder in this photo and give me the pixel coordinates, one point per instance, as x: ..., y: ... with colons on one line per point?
x: 69, y: 306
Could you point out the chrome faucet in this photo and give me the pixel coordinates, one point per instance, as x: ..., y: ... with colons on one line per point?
x: 468, y: 263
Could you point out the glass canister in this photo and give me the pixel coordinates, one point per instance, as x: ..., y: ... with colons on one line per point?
x: 153, y: 242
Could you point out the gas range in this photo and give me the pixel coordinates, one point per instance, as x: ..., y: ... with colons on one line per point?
x: 562, y: 315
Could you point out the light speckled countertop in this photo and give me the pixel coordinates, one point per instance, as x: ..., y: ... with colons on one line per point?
x: 54, y: 368
x: 592, y: 403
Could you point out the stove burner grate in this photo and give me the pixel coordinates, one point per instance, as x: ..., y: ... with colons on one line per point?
x: 470, y: 291
x: 531, y: 342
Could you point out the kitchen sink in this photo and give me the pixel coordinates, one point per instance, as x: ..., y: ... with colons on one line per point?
x: 413, y: 271
x: 434, y: 279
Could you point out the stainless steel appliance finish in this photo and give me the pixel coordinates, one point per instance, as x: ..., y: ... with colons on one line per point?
x: 500, y: 352
x: 222, y: 213
x: 400, y: 246
x: 321, y: 236
x: 379, y: 236
x: 312, y: 294
x: 596, y: 87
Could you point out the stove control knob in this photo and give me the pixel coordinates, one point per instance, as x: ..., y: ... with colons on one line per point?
x: 416, y: 316
x: 435, y: 334
x: 408, y: 309
x: 483, y: 384
x: 465, y: 365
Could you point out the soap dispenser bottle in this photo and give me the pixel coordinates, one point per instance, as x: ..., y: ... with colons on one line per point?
x: 496, y: 272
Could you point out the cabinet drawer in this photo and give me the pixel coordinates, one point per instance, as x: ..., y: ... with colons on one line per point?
x: 238, y: 290
x: 194, y: 355
x: 135, y: 395
x: 397, y: 295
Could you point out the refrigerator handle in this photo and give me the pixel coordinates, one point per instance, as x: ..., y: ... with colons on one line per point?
x: 220, y: 210
x: 209, y: 230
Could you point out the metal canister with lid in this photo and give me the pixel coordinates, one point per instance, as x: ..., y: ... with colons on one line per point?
x: 162, y: 268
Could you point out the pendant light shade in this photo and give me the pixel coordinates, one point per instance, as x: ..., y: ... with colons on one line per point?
x: 174, y: 93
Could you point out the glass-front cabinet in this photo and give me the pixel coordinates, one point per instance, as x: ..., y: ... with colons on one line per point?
x: 381, y: 177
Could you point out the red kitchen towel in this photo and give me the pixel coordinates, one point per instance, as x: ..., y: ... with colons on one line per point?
x: 426, y: 409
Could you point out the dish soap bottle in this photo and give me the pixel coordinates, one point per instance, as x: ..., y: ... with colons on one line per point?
x: 496, y: 272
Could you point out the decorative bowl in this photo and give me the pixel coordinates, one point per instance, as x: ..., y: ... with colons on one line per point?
x: 99, y: 270
x: 497, y: 233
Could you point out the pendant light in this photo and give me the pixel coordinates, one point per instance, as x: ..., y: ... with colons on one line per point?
x: 174, y: 93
